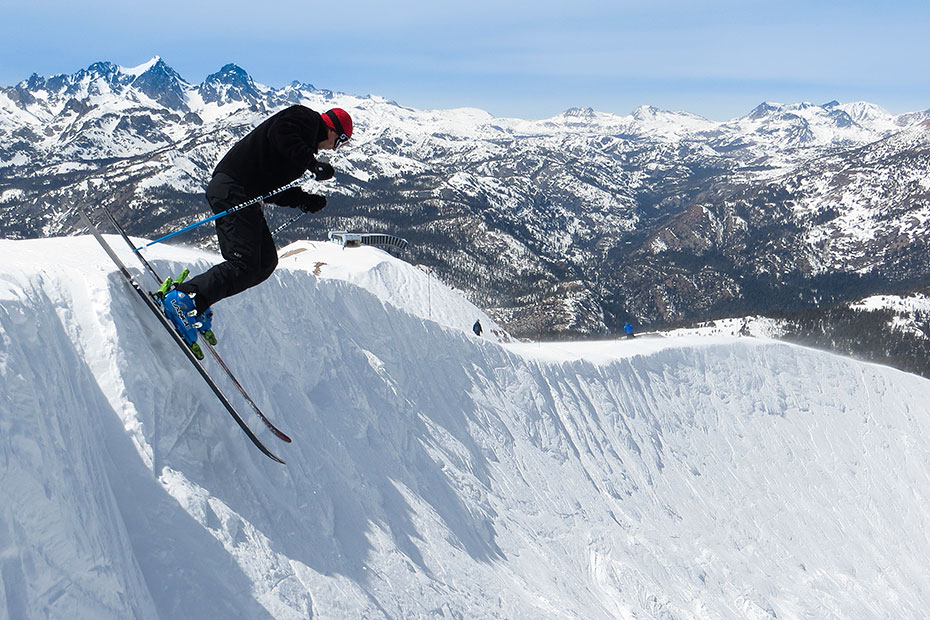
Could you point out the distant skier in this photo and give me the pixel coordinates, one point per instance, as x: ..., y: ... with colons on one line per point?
x: 477, y: 327
x: 628, y: 329
x: 275, y: 153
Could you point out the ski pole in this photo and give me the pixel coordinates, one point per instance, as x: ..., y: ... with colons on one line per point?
x: 248, y: 203
x: 287, y: 223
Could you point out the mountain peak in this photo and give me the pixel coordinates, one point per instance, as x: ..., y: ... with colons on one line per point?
x: 104, y: 69
x: 230, y: 84
x: 645, y: 112
x: 579, y: 113
x: 231, y: 73
x: 764, y: 109
x: 160, y: 82
x: 139, y: 69
x: 158, y: 67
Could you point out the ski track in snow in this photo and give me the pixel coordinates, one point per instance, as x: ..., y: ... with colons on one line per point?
x: 434, y: 474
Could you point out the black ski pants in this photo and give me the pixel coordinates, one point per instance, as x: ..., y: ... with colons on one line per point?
x: 245, y: 243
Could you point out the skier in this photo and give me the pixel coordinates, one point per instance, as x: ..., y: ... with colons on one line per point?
x: 477, y: 327
x: 628, y: 329
x: 277, y: 152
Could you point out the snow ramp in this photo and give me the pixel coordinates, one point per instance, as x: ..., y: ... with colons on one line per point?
x: 435, y: 474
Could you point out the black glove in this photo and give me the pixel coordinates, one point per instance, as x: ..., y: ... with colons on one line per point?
x: 322, y: 171
x: 312, y: 203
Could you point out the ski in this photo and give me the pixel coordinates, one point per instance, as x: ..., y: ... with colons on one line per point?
x: 213, y: 352
x: 153, y: 306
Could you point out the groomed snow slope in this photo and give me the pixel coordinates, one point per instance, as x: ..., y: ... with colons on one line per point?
x: 434, y: 474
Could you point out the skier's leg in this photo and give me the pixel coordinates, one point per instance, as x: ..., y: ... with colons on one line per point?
x: 243, y: 237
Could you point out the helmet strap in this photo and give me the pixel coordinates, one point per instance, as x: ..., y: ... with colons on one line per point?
x: 336, y: 124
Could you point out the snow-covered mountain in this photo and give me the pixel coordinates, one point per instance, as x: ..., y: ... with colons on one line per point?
x: 58, y: 109
x: 573, y: 223
x: 435, y: 474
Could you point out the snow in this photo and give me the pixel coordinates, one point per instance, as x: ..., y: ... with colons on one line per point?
x: 140, y: 69
x: 11, y: 195
x: 908, y: 314
x: 912, y: 304
x: 434, y: 473
x: 412, y: 289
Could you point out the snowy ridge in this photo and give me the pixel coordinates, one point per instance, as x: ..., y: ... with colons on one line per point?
x: 108, y: 110
x: 433, y: 473
x: 393, y: 280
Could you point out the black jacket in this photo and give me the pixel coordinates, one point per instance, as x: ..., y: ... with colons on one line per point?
x: 275, y: 153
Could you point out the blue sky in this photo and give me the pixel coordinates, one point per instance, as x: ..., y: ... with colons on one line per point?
x: 716, y: 58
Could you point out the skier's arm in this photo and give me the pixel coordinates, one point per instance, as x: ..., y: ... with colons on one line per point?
x: 294, y: 136
x: 299, y: 199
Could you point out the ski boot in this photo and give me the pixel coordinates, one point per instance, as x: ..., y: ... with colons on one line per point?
x: 203, y: 323
x: 180, y: 309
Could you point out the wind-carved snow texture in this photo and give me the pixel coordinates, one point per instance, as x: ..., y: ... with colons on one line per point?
x: 435, y: 474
